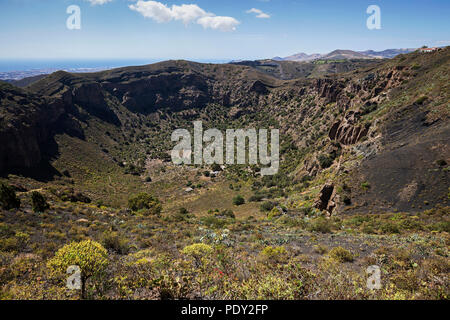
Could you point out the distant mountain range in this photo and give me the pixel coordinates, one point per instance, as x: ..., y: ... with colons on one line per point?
x: 346, y: 54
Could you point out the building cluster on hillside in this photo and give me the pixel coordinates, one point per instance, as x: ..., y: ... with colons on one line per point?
x: 428, y: 50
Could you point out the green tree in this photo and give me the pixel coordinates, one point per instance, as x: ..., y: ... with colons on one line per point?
x: 39, y: 203
x: 144, y: 201
x: 90, y: 256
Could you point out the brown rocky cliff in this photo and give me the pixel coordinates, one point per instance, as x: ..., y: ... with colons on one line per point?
x: 349, y: 131
x: 28, y: 121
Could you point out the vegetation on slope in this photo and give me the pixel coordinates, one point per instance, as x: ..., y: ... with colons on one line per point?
x: 363, y: 181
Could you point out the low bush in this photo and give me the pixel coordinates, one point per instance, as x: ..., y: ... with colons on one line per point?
x: 274, y: 254
x: 325, y: 161
x: 144, y: 201
x: 341, y: 255
x: 238, y: 200
x: 390, y: 228
x: 113, y: 241
x: 8, y: 198
x: 267, y: 206
x: 39, y: 202
x: 214, y: 222
x: 321, y: 225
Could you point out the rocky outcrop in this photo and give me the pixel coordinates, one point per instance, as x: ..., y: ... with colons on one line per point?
x: 327, y: 198
x: 348, y: 131
x: 176, y: 91
x: 26, y: 123
x: 259, y: 88
x: 312, y: 167
x: 328, y: 89
x: 91, y: 98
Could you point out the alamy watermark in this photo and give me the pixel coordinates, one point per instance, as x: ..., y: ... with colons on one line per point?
x: 374, y: 21
x: 374, y: 279
x: 74, y: 279
x: 73, y: 22
x: 259, y: 151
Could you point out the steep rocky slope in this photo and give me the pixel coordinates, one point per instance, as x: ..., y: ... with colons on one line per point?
x: 368, y: 138
x: 27, y: 124
x: 363, y: 181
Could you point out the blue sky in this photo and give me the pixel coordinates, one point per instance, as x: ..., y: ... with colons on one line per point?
x: 36, y: 29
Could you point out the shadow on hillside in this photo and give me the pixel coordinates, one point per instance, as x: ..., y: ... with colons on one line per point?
x: 44, y: 172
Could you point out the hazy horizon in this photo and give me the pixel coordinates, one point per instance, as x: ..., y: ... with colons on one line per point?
x: 28, y: 64
x: 212, y: 30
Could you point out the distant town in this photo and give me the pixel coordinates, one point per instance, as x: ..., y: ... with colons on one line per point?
x: 18, y: 75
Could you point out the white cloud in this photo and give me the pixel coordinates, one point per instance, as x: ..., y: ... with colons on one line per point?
x: 153, y: 10
x: 187, y: 13
x: 224, y: 24
x: 259, y: 13
x: 100, y: 2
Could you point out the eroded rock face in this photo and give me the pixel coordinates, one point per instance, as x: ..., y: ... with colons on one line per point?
x: 176, y: 91
x: 25, y: 124
x: 327, y: 198
x: 348, y: 131
x: 91, y: 98
x: 328, y: 89
x: 312, y: 166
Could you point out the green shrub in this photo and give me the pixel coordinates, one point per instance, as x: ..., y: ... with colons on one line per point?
x: 91, y: 257
x: 257, y: 197
x: 144, y: 201
x: 39, y: 203
x: 214, y: 222
x: 9, y: 244
x: 440, y: 226
x: 133, y: 170
x: 8, y: 198
x: 69, y: 194
x: 113, y: 241
x: 274, y: 213
x: 320, y: 249
x: 267, y: 206
x: 368, y: 229
x: 227, y: 213
x: 238, y: 200
x: 197, y: 250
x: 365, y: 185
x: 341, y: 255
x: 320, y: 225
x: 274, y: 254
x: 421, y: 100
x: 325, y: 161
x: 390, y: 228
